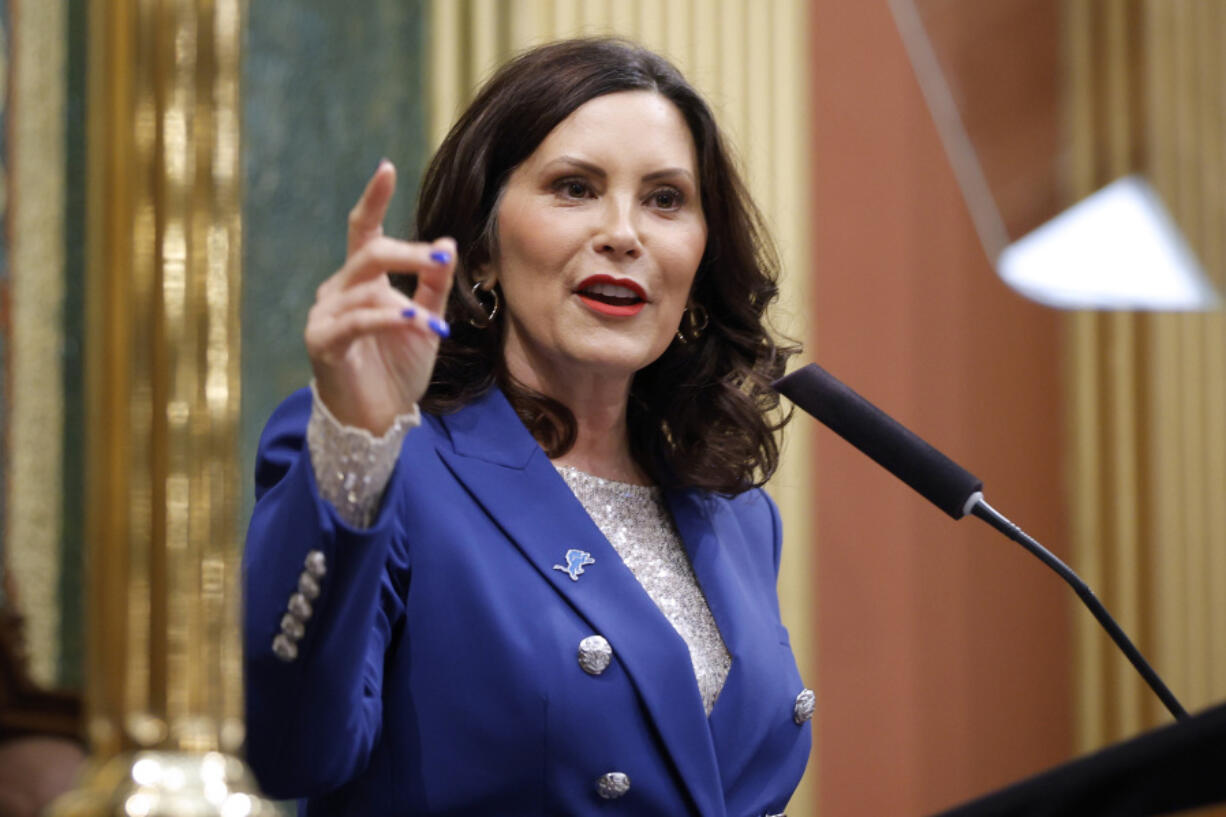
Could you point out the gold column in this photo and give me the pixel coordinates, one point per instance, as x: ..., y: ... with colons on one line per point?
x: 1147, y: 94
x: 749, y: 59
x: 163, y: 235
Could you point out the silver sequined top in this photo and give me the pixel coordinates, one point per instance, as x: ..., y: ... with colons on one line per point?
x: 637, y: 523
x: 352, y: 468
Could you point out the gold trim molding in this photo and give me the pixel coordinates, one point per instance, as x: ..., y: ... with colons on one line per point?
x: 36, y: 375
x: 162, y: 681
x: 163, y: 277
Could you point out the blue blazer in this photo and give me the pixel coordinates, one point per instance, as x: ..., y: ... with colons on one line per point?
x: 438, y: 671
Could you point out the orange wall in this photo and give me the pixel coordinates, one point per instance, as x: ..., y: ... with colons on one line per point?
x: 945, y: 658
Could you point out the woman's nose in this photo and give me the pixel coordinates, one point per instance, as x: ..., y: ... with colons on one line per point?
x: 618, y: 233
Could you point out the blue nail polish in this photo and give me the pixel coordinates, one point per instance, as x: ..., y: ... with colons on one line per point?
x: 410, y: 313
x: 439, y: 327
x: 440, y: 257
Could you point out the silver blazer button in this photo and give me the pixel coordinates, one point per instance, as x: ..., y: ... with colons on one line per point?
x: 595, y: 654
x: 292, y: 627
x: 612, y: 785
x: 316, y: 564
x: 284, y: 648
x: 299, y: 607
x: 802, y: 710
x: 307, y: 586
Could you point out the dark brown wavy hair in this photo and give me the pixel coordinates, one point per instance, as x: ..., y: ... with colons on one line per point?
x: 702, y: 414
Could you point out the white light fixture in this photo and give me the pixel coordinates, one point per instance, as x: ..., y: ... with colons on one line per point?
x: 1115, y: 249
x: 1118, y: 248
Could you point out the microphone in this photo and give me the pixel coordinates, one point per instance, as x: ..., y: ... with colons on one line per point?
x: 942, y: 482
x: 892, y: 445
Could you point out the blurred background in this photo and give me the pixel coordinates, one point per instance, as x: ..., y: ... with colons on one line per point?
x: 946, y: 662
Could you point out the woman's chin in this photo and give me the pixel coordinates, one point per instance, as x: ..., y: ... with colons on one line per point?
x: 615, y: 356
x: 579, y: 357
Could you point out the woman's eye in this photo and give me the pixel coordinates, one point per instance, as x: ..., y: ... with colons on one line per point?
x: 667, y: 199
x: 573, y: 188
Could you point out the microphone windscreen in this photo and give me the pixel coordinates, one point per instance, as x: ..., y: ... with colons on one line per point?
x: 934, y: 475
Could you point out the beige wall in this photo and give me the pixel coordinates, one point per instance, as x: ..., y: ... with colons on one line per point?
x: 1148, y: 392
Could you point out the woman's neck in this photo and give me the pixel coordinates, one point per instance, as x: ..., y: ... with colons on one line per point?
x: 598, y: 403
x: 602, y: 446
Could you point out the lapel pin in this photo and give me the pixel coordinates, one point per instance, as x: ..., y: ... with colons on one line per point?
x: 576, y: 560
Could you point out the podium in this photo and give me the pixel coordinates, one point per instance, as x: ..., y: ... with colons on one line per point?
x: 1170, y: 769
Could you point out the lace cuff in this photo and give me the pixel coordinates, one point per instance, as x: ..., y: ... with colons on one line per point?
x: 352, y: 466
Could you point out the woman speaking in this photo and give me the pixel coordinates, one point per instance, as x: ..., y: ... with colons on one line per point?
x: 509, y: 554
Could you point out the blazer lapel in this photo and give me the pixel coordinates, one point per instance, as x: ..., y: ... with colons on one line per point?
x: 505, y: 470
x: 723, y: 587
x: 722, y: 562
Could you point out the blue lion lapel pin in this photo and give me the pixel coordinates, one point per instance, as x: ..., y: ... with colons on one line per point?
x: 576, y: 560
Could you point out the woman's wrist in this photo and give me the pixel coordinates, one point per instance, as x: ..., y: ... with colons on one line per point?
x: 352, y: 466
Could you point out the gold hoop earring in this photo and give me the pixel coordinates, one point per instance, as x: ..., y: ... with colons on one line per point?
x: 693, y: 321
x: 493, y: 310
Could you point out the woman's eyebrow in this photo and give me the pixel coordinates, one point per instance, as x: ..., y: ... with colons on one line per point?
x: 668, y: 173
x: 578, y: 163
x: 597, y: 170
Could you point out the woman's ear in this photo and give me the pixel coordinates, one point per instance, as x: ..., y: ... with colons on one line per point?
x: 486, y: 277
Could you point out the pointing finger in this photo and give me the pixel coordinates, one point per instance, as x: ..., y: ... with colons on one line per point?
x: 366, y: 217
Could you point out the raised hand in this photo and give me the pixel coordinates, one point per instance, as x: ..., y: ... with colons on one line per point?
x: 372, y: 349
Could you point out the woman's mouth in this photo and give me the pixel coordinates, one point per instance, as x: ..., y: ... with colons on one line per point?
x: 618, y: 297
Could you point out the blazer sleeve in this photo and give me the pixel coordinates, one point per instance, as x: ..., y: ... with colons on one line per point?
x: 776, y: 529
x: 765, y: 525
x: 312, y: 721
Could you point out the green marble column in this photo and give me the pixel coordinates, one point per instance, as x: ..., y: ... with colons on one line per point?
x: 329, y: 89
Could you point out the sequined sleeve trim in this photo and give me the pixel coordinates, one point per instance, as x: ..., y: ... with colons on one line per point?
x: 352, y: 466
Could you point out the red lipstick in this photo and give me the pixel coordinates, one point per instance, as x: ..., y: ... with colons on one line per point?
x: 617, y: 297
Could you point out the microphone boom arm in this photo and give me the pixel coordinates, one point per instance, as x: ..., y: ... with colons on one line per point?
x: 943, y: 482
x: 997, y: 520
